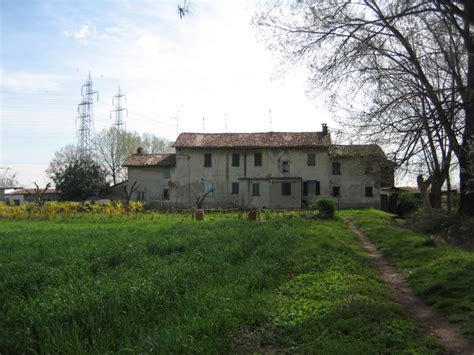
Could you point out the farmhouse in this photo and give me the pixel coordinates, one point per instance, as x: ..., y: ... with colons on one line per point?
x: 260, y: 170
x: 28, y: 195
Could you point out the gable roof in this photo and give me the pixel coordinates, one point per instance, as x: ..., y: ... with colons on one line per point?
x: 32, y: 192
x: 354, y: 151
x: 163, y: 160
x: 252, y: 140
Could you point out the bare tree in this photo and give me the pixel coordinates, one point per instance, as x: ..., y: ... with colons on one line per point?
x: 129, y: 193
x: 359, y: 48
x: 64, y: 156
x: 40, y: 194
x: 185, y: 8
x: 7, y: 178
x: 112, y: 146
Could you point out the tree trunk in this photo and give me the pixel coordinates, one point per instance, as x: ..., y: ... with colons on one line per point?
x: 466, y: 156
x: 435, y: 196
x: 466, y: 193
x: 448, y: 194
x: 423, y: 187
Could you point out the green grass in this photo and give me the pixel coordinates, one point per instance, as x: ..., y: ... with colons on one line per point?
x: 175, y: 286
x: 441, y: 274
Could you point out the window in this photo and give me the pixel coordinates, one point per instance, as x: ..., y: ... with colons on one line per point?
x: 166, y: 194
x: 236, y: 159
x: 369, y: 192
x: 285, y: 167
x: 257, y: 159
x: 141, y: 195
x: 336, y: 168
x: 336, y: 191
x: 235, y: 188
x: 208, y: 188
x: 166, y: 173
x: 311, y: 159
x: 311, y: 187
x: 286, y: 188
x: 207, y: 160
x: 255, y: 189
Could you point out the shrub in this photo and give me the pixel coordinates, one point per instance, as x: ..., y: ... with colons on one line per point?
x: 407, y: 204
x: 326, y: 208
x: 430, y: 222
x: 448, y: 225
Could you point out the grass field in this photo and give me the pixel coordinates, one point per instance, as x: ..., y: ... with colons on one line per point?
x: 441, y: 274
x: 90, y: 285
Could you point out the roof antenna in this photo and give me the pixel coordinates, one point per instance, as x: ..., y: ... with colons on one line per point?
x: 203, y: 124
x: 177, y: 122
x: 225, y: 114
x: 270, y: 118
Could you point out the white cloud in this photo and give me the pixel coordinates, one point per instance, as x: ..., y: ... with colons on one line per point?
x: 21, y: 81
x: 84, y: 32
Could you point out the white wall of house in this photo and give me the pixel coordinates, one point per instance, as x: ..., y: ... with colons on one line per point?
x: 151, y: 183
x: 190, y: 171
x: 352, y: 182
x: 21, y: 198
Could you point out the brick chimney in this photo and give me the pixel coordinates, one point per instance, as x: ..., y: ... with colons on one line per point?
x: 325, y: 129
x: 140, y: 151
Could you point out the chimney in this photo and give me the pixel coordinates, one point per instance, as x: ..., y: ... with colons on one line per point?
x: 140, y: 151
x: 325, y: 129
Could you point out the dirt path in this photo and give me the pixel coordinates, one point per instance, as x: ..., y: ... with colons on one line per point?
x: 448, y: 335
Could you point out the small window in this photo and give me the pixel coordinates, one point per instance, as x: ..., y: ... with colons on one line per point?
x: 285, y: 167
x: 305, y: 188
x: 208, y: 188
x: 255, y: 189
x: 166, y: 194
x: 336, y: 191
x: 336, y: 168
x: 311, y: 159
x: 257, y: 158
x: 369, y: 192
x: 236, y: 159
x: 235, y: 188
x: 166, y: 173
x: 207, y: 160
x: 286, y: 188
x: 141, y: 195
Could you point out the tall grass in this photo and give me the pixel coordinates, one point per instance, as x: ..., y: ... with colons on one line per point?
x: 178, y: 286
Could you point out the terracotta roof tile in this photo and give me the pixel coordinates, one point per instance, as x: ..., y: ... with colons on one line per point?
x: 350, y: 151
x: 151, y: 160
x: 251, y: 140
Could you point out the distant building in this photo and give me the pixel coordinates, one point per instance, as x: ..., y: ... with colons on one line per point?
x: 28, y: 195
x: 274, y: 170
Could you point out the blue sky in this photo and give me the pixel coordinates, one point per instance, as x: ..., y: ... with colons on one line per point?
x: 208, y: 65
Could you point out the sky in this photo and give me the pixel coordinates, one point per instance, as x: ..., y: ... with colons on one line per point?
x: 210, y: 64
